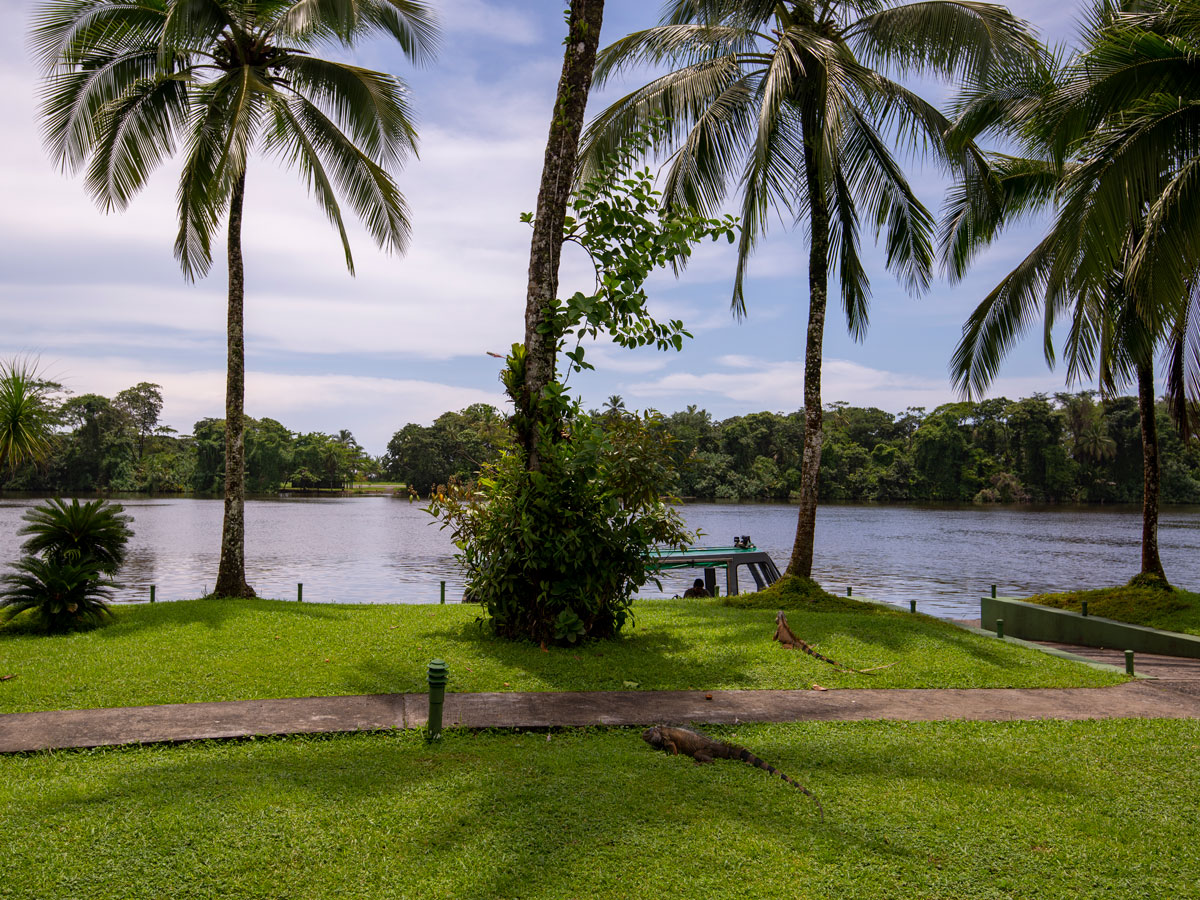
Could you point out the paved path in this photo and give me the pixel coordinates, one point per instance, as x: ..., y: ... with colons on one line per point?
x: 200, y: 721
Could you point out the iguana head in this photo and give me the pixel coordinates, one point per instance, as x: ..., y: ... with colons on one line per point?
x: 653, y: 737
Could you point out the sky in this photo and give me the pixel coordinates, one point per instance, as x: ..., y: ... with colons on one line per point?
x: 99, y: 302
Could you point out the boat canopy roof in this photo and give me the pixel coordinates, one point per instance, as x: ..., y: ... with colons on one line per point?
x: 703, y: 557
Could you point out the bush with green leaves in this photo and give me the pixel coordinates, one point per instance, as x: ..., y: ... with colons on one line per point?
x: 558, y: 555
x: 72, y: 551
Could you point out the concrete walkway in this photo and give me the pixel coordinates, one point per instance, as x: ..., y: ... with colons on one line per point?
x: 20, y: 732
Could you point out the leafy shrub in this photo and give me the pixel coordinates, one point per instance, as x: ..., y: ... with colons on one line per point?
x: 557, y: 555
x: 72, y: 551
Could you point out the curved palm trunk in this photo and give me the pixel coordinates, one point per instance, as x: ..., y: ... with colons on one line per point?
x: 1151, y: 564
x: 558, y: 175
x: 231, y: 575
x: 818, y: 278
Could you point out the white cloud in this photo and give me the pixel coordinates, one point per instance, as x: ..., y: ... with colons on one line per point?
x: 494, y: 21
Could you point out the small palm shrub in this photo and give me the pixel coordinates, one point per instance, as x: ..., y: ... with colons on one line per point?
x: 61, y: 596
x: 72, y: 551
x: 61, y: 531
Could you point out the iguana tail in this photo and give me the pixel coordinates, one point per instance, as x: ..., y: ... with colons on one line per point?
x: 747, y: 757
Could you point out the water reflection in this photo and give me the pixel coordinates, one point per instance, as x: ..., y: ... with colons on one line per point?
x: 387, y: 550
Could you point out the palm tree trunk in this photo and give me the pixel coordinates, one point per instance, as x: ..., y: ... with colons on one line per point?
x: 1151, y: 564
x: 818, y: 277
x: 231, y: 574
x: 558, y: 175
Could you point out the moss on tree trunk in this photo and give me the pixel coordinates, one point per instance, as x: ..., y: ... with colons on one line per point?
x: 231, y: 574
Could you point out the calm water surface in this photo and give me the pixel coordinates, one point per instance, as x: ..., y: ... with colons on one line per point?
x: 386, y: 550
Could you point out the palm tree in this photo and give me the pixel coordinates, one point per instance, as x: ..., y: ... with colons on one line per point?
x: 128, y: 81
x: 26, y: 415
x: 789, y: 101
x: 1113, y: 157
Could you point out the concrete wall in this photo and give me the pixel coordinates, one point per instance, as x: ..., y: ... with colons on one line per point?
x: 1044, y: 623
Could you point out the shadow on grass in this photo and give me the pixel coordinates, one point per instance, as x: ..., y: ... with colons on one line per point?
x: 531, y: 817
x: 213, y: 613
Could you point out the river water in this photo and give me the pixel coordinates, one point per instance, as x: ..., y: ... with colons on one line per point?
x: 387, y: 550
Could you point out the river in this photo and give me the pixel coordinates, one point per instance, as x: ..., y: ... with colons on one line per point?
x: 387, y: 550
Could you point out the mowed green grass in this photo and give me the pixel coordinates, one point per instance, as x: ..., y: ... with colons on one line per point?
x: 929, y: 811
x: 1176, y: 610
x: 232, y: 650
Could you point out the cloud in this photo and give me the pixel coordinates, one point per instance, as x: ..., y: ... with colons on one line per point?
x: 494, y: 21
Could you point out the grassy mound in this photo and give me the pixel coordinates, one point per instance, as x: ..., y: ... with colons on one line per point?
x: 791, y: 592
x: 1136, y: 603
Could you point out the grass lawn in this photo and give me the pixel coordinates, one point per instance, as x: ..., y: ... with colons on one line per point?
x: 232, y: 650
x: 930, y: 811
x: 1170, y: 610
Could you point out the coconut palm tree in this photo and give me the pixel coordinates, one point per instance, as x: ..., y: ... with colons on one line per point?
x: 26, y: 415
x: 790, y: 102
x: 128, y: 82
x: 1112, y: 157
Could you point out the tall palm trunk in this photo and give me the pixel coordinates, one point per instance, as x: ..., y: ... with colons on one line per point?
x: 231, y: 575
x: 558, y: 175
x: 818, y: 278
x: 1151, y: 564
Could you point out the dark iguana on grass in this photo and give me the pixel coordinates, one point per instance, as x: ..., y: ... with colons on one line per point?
x: 704, y: 749
x: 785, y: 636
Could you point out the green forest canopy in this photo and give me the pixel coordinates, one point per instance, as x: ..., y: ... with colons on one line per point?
x: 1063, y: 448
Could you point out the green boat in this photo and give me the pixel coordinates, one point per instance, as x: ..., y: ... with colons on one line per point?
x: 743, y: 554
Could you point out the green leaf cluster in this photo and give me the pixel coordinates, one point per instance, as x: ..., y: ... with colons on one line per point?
x: 558, y: 554
x: 65, y: 578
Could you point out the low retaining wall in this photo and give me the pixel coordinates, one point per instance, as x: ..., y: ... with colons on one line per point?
x: 1045, y: 623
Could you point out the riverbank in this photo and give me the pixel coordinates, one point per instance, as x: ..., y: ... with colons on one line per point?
x: 208, y: 650
x: 972, y: 811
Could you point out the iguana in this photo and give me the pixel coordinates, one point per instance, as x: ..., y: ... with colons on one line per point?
x: 704, y: 749
x: 784, y: 635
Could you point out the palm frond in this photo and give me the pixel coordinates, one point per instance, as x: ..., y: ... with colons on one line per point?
x: 66, y: 33
x: 368, y: 187
x: 73, y: 102
x: 679, y: 45
x: 952, y: 38
x: 879, y: 183
x: 1000, y: 320
x: 137, y: 132
x: 370, y: 105
x: 289, y: 140
x: 985, y: 201
x: 411, y: 23
x: 844, y: 247
x: 710, y: 113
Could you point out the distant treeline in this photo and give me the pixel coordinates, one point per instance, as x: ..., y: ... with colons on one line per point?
x: 1064, y: 448
x: 117, y: 444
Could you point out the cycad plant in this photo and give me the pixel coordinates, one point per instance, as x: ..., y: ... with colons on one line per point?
x: 128, y: 82
x: 62, y: 596
x: 73, y: 550
x: 69, y: 532
x: 792, y: 104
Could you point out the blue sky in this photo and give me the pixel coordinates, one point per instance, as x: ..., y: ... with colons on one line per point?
x: 100, y: 301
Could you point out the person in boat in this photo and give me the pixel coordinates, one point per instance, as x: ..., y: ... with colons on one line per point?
x: 697, y: 589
